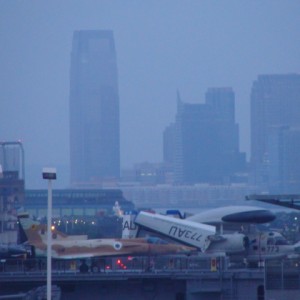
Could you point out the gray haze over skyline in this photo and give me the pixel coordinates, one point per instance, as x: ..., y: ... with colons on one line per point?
x: 161, y: 46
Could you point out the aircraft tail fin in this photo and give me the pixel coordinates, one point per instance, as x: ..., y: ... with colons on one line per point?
x: 191, y: 233
x: 129, y: 228
x: 175, y: 213
x: 22, y: 236
x: 32, y: 231
x: 28, y: 228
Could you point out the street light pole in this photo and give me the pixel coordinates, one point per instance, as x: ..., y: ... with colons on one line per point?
x: 49, y: 241
x: 49, y: 174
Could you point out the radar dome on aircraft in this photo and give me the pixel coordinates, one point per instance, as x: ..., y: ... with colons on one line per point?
x: 234, y: 214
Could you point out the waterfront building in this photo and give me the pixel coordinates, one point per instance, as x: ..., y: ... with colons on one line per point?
x: 283, y: 165
x: 12, y: 185
x: 12, y: 157
x: 94, y: 108
x: 192, y: 197
x: 275, y: 117
x: 76, y: 202
x: 147, y: 174
x: 207, y: 140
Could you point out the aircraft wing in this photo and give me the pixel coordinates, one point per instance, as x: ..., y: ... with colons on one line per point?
x: 290, y: 201
x: 188, y: 232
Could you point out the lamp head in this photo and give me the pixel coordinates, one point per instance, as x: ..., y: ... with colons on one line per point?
x: 49, y: 173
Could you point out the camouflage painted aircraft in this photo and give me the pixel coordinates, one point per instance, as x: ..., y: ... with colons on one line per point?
x: 79, y: 247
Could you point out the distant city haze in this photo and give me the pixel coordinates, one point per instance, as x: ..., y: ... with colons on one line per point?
x: 161, y: 47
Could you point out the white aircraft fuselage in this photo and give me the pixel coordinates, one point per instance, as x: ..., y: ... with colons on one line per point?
x: 196, y: 231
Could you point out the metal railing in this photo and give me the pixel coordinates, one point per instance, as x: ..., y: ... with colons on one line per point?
x: 122, y: 264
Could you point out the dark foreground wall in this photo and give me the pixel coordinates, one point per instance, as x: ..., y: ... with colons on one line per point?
x: 132, y: 289
x: 279, y: 280
x: 164, y: 285
x: 159, y: 289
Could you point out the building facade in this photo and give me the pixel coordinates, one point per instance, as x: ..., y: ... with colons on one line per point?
x: 12, y: 186
x: 195, y: 197
x: 206, y: 141
x: 169, y: 136
x: 94, y: 108
x: 275, y: 122
x: 76, y: 202
x: 283, y: 166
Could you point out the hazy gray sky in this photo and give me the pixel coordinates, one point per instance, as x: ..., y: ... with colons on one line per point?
x: 161, y: 46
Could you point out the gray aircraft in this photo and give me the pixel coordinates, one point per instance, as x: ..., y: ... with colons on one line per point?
x: 199, y: 232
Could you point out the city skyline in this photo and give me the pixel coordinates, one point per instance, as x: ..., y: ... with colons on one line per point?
x: 162, y: 48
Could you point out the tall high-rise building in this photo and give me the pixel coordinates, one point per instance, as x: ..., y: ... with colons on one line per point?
x: 12, y: 186
x: 169, y: 136
x: 283, y: 167
x: 94, y: 108
x: 12, y: 158
x: 206, y: 140
x: 275, y: 117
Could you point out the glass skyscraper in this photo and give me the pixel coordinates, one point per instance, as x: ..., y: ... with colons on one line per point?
x: 275, y: 123
x: 206, y: 140
x: 94, y: 108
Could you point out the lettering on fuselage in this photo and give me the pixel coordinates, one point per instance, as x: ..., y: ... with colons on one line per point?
x: 178, y: 232
x: 130, y: 225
